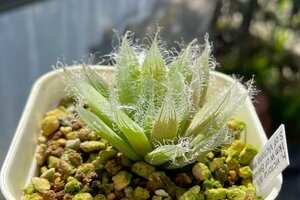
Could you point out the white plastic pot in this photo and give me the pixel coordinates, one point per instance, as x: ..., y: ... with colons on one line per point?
x: 20, y: 165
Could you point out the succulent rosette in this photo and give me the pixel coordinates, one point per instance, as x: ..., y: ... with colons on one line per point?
x: 159, y: 109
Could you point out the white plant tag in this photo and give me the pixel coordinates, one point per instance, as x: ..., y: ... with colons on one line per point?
x: 270, y: 161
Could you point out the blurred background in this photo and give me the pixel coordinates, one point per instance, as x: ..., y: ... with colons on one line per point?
x: 250, y: 37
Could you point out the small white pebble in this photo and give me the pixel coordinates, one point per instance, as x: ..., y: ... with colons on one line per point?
x: 73, y: 144
x: 161, y: 192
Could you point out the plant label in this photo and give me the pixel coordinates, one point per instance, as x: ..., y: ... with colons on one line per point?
x: 270, y: 161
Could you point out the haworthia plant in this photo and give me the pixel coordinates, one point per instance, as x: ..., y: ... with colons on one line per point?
x: 172, y: 121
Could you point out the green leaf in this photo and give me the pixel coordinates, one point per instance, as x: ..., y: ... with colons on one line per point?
x: 95, y: 80
x: 109, y: 115
x: 91, y: 97
x: 146, y: 109
x: 206, y: 115
x: 107, y: 133
x: 196, y: 89
x: 183, y: 64
x: 153, y: 65
x: 203, y: 62
x: 104, y: 110
x: 214, y: 115
x: 181, y: 95
x: 210, y: 143
x: 127, y: 73
x: 165, y: 153
x: 200, y: 77
x: 166, y: 124
x: 134, y: 133
x: 200, y: 150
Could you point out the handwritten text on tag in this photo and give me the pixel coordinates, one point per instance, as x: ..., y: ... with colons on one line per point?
x: 271, y: 160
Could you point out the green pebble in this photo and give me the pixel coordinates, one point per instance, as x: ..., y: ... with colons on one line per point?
x: 232, y: 159
x: 121, y: 180
x: 65, y: 129
x: 142, y: 169
x: 85, y: 168
x: 72, y: 136
x: 53, y: 162
x: 192, y: 194
x: 40, y: 184
x: 141, y: 193
x: 221, y: 174
x: 217, y: 184
x: 107, y: 154
x: 83, y: 196
x: 92, y: 146
x: 216, y: 164
x: 215, y: 194
x: 210, y: 156
x: 49, y: 125
x: 29, y: 189
x: 201, y: 171
x: 236, y: 194
x: 73, y: 186
x: 34, y: 196
x: 247, y: 154
x: 237, y: 145
x: 245, y: 172
x: 207, y: 184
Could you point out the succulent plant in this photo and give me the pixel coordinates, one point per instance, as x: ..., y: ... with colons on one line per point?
x: 159, y: 110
